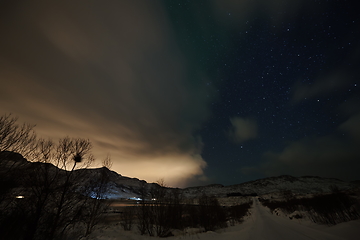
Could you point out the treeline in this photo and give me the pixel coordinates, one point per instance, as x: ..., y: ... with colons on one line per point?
x: 329, y: 209
x: 167, y: 212
x: 43, y: 199
x: 237, y: 194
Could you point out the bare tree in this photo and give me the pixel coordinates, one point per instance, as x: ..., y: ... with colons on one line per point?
x: 127, y: 218
x: 70, y: 154
x: 175, y: 208
x: 97, y: 189
x: 161, y: 212
x: 211, y: 214
x: 143, y: 213
x: 54, y: 199
x: 15, y: 139
x: 107, y: 163
x: 53, y: 184
x: 160, y: 209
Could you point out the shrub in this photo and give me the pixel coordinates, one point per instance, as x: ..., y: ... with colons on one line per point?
x: 328, y: 209
x: 212, y: 215
x: 237, y: 212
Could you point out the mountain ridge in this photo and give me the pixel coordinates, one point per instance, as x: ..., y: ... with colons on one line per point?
x: 122, y: 187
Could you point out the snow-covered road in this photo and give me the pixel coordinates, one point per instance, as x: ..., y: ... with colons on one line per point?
x: 264, y: 225
x: 268, y: 226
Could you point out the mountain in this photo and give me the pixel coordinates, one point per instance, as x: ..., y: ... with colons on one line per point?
x: 125, y: 187
x: 298, y: 185
x: 119, y: 186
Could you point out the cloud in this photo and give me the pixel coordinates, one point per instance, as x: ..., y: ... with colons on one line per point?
x: 334, y: 81
x: 234, y: 12
x: 243, y: 129
x: 334, y: 155
x: 352, y: 127
x: 175, y: 169
x: 108, y: 72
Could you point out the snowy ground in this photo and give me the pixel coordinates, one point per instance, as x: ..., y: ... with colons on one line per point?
x: 260, y: 225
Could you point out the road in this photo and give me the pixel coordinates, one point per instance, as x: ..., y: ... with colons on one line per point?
x: 262, y: 225
x: 268, y: 226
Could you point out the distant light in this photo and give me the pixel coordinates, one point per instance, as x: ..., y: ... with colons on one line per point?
x: 135, y: 198
x: 19, y: 196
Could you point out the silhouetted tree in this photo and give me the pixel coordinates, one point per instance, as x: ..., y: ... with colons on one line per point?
x: 127, y: 219
x: 175, y: 208
x: 56, y: 203
x: 15, y: 139
x: 144, y: 213
x: 212, y: 215
x: 160, y: 209
x: 97, y: 204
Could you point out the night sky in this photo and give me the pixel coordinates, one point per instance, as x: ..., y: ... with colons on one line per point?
x: 193, y: 92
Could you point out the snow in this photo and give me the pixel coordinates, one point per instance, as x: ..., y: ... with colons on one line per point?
x: 260, y: 225
x: 122, y: 187
x: 272, y: 185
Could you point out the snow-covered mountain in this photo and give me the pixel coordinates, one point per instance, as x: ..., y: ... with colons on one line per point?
x: 119, y: 186
x: 124, y: 187
x: 297, y: 185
